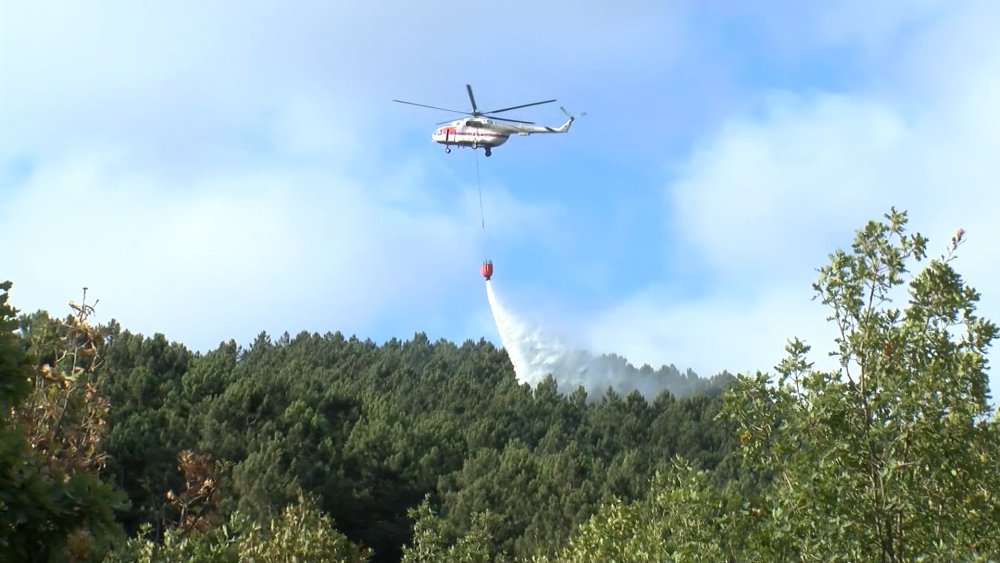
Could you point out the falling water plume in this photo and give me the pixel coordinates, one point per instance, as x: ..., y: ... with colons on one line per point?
x: 536, y: 355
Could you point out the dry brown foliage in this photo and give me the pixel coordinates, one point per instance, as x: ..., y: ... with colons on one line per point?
x: 64, y: 417
x: 197, y: 504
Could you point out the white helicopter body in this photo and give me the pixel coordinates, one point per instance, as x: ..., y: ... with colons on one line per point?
x: 475, y: 132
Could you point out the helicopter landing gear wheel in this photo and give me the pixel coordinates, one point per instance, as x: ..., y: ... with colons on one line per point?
x: 488, y: 151
x: 447, y: 150
x: 475, y: 146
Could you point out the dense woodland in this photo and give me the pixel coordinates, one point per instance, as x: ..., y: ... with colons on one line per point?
x: 123, y: 447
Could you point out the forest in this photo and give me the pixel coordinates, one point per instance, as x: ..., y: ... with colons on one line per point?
x: 116, y: 446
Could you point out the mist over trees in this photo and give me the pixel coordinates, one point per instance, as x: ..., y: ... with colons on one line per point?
x: 124, y: 447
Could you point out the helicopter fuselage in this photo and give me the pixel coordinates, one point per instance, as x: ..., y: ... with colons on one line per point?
x: 476, y: 132
x: 473, y: 133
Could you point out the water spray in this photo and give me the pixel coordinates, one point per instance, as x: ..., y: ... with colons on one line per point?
x: 536, y: 355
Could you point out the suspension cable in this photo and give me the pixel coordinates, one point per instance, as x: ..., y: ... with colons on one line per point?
x: 479, y: 183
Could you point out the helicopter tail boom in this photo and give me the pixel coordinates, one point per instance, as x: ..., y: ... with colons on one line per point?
x: 562, y: 128
x: 525, y: 130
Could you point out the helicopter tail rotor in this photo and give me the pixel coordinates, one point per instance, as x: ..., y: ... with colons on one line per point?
x: 570, y: 115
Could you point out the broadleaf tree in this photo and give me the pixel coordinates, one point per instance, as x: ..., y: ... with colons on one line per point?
x: 892, y: 455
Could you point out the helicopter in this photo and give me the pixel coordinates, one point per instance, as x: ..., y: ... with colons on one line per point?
x: 485, y: 129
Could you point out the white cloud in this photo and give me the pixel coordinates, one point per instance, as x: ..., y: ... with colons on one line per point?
x: 763, y: 199
x: 232, y: 254
x: 765, y: 194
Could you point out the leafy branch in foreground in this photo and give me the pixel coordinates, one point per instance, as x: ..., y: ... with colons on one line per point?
x: 891, y: 456
x: 53, y: 504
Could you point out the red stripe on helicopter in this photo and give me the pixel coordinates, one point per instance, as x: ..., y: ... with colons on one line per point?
x: 450, y: 132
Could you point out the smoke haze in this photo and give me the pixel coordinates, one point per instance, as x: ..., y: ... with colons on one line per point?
x: 535, y: 355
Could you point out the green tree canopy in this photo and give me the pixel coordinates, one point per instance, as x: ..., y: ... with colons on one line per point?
x: 891, y: 456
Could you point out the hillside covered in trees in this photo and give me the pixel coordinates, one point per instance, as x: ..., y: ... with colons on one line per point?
x: 367, y: 431
x: 119, y: 446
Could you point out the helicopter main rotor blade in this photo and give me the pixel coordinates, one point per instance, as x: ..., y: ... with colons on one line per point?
x: 493, y: 118
x: 432, y: 107
x: 475, y: 110
x: 512, y: 120
x: 518, y: 107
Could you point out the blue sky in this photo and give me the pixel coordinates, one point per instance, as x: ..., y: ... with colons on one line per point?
x: 214, y: 170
